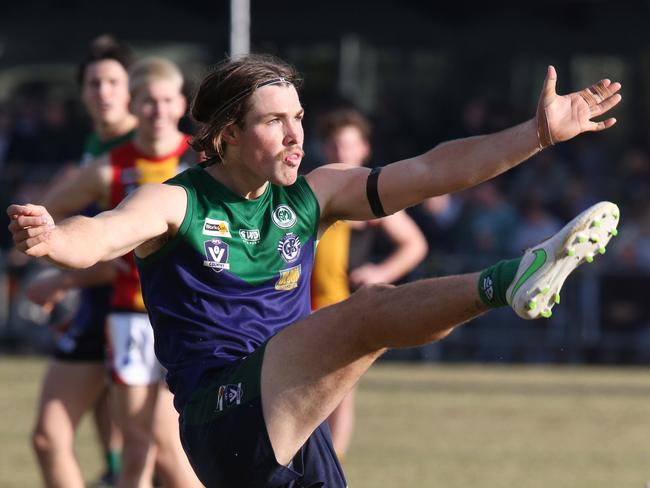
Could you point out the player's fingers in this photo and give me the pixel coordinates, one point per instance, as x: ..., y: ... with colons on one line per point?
x: 24, y: 234
x: 27, y: 209
x: 34, y: 221
x: 605, y: 124
x: 599, y: 92
x: 33, y: 246
x: 548, y: 92
x: 606, y: 105
x: 30, y: 237
x: 14, y: 210
x: 613, y: 87
x: 15, y: 223
x: 22, y: 223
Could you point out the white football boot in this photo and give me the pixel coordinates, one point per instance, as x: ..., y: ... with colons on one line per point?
x: 543, y: 269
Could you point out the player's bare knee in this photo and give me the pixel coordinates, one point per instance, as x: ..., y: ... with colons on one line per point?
x: 136, y: 457
x: 366, y: 299
x: 42, y: 443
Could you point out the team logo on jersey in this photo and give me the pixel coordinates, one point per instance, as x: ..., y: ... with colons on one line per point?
x: 284, y: 216
x: 229, y: 395
x: 250, y: 236
x: 288, y: 279
x: 216, y: 252
x: 289, y: 247
x: 218, y: 228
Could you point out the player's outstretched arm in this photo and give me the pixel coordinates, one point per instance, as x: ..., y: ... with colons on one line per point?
x: 79, y: 242
x: 462, y: 163
x: 71, y: 194
x: 48, y: 290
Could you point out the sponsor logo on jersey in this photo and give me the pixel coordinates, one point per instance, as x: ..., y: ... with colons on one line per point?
x: 216, y: 252
x: 218, y: 228
x: 288, y: 279
x: 250, y: 236
x: 229, y: 395
x: 289, y: 247
x: 284, y: 216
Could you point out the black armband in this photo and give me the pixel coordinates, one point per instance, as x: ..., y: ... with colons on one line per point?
x: 373, y: 194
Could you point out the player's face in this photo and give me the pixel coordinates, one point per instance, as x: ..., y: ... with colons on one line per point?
x: 346, y: 145
x: 158, y: 105
x: 270, y: 144
x: 105, y: 92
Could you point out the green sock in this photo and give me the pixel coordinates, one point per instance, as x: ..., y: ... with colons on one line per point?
x: 495, y: 280
x: 113, y: 461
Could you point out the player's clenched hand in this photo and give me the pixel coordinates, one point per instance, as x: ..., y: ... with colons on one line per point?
x: 46, y: 291
x: 31, y: 227
x: 561, y: 117
x: 366, y: 274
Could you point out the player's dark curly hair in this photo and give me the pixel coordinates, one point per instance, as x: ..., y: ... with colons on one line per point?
x: 222, y: 98
x: 102, y: 48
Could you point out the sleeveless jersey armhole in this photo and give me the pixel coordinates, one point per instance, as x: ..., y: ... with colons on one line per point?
x: 309, y: 194
x: 170, y: 245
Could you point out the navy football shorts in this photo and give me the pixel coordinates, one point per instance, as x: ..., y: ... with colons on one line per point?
x: 85, y: 339
x: 225, y: 437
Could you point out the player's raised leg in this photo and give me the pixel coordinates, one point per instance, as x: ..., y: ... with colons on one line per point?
x: 310, y: 366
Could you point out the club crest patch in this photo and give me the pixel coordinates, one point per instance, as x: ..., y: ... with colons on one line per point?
x: 288, y: 279
x: 216, y: 252
x: 217, y: 228
x: 289, y: 247
x: 250, y: 236
x: 229, y: 395
x: 284, y: 216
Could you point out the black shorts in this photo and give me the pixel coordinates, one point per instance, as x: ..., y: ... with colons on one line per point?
x: 85, y: 339
x: 87, y: 344
x: 225, y: 437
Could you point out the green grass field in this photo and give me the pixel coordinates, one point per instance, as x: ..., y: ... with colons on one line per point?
x: 438, y: 426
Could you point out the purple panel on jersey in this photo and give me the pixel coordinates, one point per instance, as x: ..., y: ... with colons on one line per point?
x: 207, y: 320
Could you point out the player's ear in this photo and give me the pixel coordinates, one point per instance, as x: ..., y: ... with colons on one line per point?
x: 231, y: 134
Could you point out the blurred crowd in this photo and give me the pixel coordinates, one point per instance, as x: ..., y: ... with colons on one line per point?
x: 41, y: 135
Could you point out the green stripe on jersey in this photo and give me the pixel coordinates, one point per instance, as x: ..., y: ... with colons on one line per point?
x: 251, y: 239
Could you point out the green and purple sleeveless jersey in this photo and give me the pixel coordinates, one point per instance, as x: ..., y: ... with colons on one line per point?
x: 236, y: 273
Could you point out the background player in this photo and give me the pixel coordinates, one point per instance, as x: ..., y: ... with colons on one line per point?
x: 75, y: 381
x: 142, y: 408
x: 348, y: 246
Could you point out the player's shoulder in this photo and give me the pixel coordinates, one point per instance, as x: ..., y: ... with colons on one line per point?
x: 329, y: 174
x: 161, y: 190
